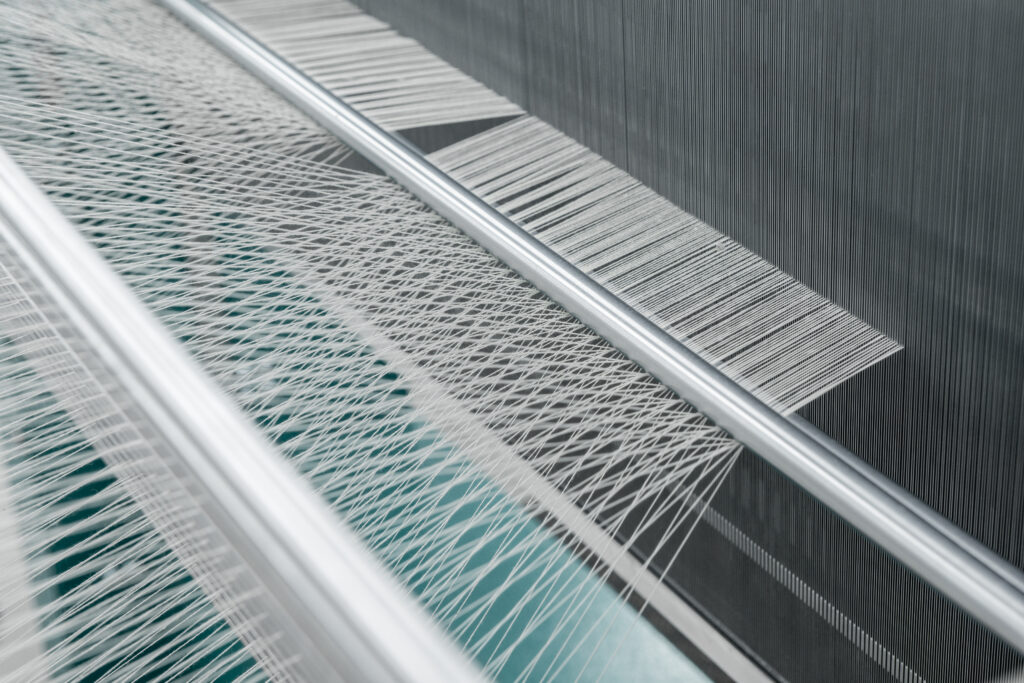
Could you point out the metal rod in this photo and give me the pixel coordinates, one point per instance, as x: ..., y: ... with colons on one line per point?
x: 874, y: 510
x: 358, y: 623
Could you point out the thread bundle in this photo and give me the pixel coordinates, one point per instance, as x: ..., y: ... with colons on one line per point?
x: 390, y: 78
x: 773, y: 335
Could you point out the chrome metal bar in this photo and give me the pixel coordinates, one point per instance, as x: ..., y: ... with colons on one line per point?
x: 358, y: 623
x: 874, y: 510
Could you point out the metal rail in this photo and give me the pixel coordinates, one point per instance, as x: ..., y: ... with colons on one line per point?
x: 880, y: 512
x: 340, y: 606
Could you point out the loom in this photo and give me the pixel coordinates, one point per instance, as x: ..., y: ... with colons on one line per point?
x: 525, y: 341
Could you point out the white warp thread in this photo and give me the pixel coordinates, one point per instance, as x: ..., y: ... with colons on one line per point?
x: 774, y: 336
x: 390, y: 78
x: 100, y: 543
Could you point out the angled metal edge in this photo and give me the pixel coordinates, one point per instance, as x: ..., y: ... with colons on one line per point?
x: 362, y: 625
x: 875, y: 511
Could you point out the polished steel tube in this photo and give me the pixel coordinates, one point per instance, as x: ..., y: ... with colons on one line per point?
x: 336, y: 602
x: 878, y: 512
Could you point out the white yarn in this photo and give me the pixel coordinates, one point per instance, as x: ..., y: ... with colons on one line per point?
x: 99, y: 542
x: 133, y: 61
x: 391, y: 79
x: 776, y: 337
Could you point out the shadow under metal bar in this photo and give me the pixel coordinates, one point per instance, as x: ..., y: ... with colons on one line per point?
x: 885, y: 514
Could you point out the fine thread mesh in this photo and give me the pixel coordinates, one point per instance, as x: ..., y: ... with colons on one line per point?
x: 465, y: 426
x: 114, y: 65
x: 111, y: 571
x: 438, y: 402
x: 282, y: 317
